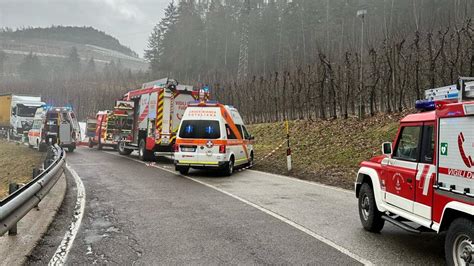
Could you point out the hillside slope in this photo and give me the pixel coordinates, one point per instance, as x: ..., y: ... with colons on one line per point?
x: 79, y: 35
x: 324, y: 151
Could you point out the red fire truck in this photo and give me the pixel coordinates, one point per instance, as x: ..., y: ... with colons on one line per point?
x: 157, y: 111
x: 427, y: 175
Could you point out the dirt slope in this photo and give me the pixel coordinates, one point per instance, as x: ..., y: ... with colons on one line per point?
x: 324, y: 151
x: 16, y: 164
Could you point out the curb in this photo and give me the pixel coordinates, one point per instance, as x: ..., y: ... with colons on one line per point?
x: 15, y: 249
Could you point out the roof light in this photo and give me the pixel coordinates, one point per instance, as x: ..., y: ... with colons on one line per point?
x: 425, y: 105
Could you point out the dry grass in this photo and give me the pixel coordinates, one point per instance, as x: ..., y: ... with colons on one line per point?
x: 16, y: 164
x: 324, y: 151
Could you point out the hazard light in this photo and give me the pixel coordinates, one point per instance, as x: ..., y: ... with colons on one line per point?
x: 469, y: 109
x: 425, y: 105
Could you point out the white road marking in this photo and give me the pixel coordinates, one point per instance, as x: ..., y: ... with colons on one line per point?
x: 273, y: 214
x: 60, y: 256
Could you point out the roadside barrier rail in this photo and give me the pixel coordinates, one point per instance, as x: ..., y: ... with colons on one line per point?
x: 19, y: 203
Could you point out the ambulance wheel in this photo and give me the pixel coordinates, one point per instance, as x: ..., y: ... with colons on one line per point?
x: 459, y: 243
x: 251, y: 161
x: 122, y: 150
x: 370, y: 216
x: 229, y: 167
x: 183, y: 170
x: 144, y: 154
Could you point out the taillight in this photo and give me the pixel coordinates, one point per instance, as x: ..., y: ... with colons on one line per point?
x: 222, y: 149
x: 176, y: 147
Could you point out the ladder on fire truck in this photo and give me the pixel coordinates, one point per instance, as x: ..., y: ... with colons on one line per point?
x: 462, y: 91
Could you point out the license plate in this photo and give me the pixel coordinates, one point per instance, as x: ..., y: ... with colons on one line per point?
x: 188, y: 149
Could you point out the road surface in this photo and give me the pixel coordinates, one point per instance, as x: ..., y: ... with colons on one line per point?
x: 137, y: 213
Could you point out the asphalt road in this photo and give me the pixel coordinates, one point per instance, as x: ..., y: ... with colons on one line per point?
x: 146, y: 215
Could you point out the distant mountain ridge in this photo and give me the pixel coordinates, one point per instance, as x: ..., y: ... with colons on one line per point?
x: 74, y: 34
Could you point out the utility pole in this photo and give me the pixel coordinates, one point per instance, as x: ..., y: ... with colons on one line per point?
x: 361, y: 13
x: 244, y: 42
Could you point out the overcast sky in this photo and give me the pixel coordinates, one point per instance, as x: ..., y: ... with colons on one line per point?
x: 130, y: 21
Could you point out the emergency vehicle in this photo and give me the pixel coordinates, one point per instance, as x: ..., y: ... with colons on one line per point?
x: 212, y: 136
x: 158, y: 108
x: 54, y: 125
x: 427, y: 175
x: 104, y: 134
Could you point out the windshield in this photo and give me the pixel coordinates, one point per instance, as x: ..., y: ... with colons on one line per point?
x: 200, y: 129
x: 26, y: 111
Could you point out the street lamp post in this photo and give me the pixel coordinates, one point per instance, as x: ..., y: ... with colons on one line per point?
x: 361, y: 13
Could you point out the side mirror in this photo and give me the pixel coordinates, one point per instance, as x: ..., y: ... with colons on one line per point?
x: 387, y: 148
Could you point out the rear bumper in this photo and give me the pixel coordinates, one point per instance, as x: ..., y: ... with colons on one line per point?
x: 200, y: 164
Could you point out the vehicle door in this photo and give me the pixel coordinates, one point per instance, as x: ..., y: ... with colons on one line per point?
x: 235, y: 145
x: 399, y: 171
x: 425, y: 176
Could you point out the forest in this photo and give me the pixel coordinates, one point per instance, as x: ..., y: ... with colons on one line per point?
x: 311, y: 59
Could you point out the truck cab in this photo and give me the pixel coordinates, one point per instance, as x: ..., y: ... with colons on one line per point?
x: 426, y: 176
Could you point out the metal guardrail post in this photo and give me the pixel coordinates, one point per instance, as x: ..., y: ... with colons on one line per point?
x: 12, y: 188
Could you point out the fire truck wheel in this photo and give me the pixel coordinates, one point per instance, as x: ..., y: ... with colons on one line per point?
x: 122, y: 150
x: 229, y: 167
x: 370, y: 216
x: 459, y: 243
x: 143, y: 153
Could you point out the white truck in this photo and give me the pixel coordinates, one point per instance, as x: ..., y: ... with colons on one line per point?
x: 17, y: 113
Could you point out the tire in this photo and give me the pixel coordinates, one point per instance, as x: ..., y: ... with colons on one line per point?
x: 460, y: 242
x: 144, y: 154
x: 229, y: 167
x: 183, y: 170
x: 122, y: 150
x: 370, y: 216
x: 100, y: 147
x: 71, y: 149
x: 91, y: 144
x: 251, y: 162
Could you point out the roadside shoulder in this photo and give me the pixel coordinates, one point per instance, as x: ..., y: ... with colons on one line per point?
x: 15, y: 249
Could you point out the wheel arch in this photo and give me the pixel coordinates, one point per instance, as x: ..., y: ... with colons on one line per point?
x: 370, y: 176
x: 454, y: 210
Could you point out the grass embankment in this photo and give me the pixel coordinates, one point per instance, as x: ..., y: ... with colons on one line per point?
x: 16, y: 164
x: 324, y: 151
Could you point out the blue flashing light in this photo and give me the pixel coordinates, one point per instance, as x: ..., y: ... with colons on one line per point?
x: 188, y: 129
x: 425, y: 105
x: 209, y: 130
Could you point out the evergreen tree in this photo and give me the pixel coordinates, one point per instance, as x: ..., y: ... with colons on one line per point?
x: 3, y: 58
x: 73, y: 63
x: 31, y: 68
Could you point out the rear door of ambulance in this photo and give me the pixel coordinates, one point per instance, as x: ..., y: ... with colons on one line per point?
x: 201, y: 132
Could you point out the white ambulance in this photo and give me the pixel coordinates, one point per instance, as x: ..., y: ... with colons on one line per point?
x: 212, y: 136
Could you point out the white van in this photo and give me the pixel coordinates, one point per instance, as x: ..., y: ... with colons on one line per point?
x: 212, y: 135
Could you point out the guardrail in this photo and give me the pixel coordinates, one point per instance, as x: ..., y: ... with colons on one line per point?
x: 19, y: 203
